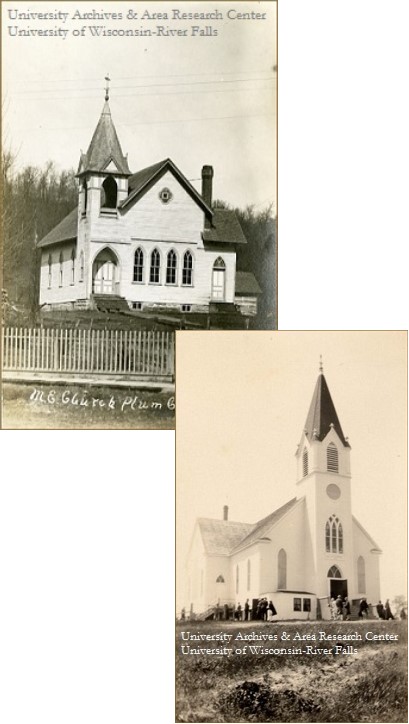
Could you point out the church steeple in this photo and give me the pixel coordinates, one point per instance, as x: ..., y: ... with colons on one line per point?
x: 104, y: 152
x: 322, y: 414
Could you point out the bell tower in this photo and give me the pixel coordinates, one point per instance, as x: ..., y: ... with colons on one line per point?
x: 103, y: 175
x: 324, y: 481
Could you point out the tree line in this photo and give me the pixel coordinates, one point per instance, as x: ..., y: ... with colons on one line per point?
x: 34, y: 201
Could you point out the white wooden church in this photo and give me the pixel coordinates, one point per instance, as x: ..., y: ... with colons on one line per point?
x: 299, y: 556
x: 148, y: 237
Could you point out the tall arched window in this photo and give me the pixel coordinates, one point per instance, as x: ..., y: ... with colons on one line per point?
x: 187, y: 272
x: 334, y: 535
x: 282, y: 569
x: 138, y: 265
x: 109, y: 193
x: 154, y: 276
x: 237, y: 579
x: 332, y: 458
x: 73, y: 266
x: 61, y: 269
x: 171, y: 267
x: 248, y: 574
x: 82, y: 266
x: 361, y: 575
x: 305, y: 462
x: 50, y: 270
x: 334, y: 572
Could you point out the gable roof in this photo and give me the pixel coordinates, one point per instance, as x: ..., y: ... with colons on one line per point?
x: 260, y: 529
x: 322, y: 414
x: 66, y: 230
x: 221, y: 536
x: 143, y: 180
x: 246, y: 283
x: 225, y: 228
x: 104, y: 147
x: 371, y: 540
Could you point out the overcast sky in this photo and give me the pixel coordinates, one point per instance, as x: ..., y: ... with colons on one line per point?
x: 242, y: 403
x: 198, y: 100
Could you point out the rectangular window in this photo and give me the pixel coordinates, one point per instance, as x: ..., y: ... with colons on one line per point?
x: 306, y: 604
x: 136, y: 305
x: 297, y: 604
x: 186, y: 307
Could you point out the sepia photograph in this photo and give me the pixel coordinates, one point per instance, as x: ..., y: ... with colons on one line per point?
x: 139, y: 198
x: 291, y: 527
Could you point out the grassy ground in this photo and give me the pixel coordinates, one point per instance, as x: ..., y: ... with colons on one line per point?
x: 73, y: 406
x: 367, y: 686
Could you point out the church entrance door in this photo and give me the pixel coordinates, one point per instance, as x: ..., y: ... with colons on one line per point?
x: 339, y: 587
x: 104, y: 273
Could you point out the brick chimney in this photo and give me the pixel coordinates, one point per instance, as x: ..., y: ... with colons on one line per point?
x: 225, y: 512
x: 207, y: 189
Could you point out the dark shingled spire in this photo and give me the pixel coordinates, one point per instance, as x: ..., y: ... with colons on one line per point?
x: 104, y: 146
x: 322, y: 414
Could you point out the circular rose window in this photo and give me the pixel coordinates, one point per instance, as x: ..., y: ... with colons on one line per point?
x: 165, y: 195
x: 333, y: 491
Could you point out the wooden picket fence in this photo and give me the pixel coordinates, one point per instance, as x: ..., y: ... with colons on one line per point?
x: 125, y: 353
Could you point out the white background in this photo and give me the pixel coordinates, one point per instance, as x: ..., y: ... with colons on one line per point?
x: 87, y: 518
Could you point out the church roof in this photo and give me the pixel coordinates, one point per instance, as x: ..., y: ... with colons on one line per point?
x: 246, y: 283
x: 104, y: 147
x: 66, y: 230
x: 220, y: 537
x: 223, y: 537
x: 225, y: 228
x: 260, y: 529
x: 322, y: 414
x: 143, y: 180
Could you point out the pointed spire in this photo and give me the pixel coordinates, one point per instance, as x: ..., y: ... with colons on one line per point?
x: 322, y: 416
x: 104, y: 147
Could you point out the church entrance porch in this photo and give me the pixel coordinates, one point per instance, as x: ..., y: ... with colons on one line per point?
x: 105, y: 273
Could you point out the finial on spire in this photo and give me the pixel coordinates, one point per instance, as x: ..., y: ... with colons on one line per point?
x: 321, y: 367
x: 107, y: 78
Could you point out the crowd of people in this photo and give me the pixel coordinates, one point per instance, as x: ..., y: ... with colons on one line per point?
x: 341, y: 609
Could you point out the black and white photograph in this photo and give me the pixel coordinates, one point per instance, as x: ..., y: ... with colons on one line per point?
x: 291, y: 528
x: 139, y: 167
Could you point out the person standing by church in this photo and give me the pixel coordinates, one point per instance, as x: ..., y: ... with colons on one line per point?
x: 388, y: 612
x: 246, y: 610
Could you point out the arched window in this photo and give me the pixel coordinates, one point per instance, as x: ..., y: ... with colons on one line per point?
x: 332, y: 458
x: 50, y: 270
x: 327, y: 537
x: 282, y: 569
x: 138, y: 265
x: 187, y: 272
x: 61, y: 269
x: 237, y: 579
x: 171, y: 267
x: 218, y: 279
x: 305, y: 462
x: 154, y: 276
x: 73, y: 266
x: 109, y: 193
x: 220, y: 579
x: 82, y: 266
x: 248, y: 574
x: 361, y: 575
x: 334, y: 572
x: 334, y: 535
